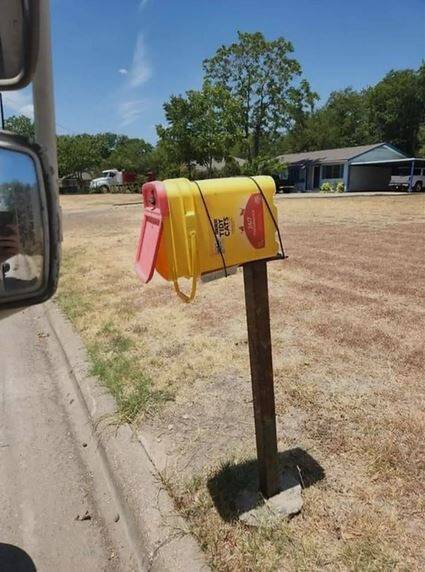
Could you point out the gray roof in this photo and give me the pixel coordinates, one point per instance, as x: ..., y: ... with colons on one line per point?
x: 327, y: 155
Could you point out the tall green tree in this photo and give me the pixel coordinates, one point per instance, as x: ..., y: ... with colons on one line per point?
x: 109, y: 142
x: 201, y: 127
x: 21, y: 125
x: 397, y: 108
x: 264, y: 78
x: 78, y: 153
x: 421, y: 141
x: 176, y: 138
x: 162, y: 161
x: 215, y: 122
x: 130, y: 154
x: 341, y: 122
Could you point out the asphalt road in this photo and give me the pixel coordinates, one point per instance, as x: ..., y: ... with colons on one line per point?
x: 57, y: 511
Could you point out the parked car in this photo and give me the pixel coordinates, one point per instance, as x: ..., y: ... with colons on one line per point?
x: 400, y: 178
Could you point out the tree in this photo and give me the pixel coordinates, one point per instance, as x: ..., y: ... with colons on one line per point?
x: 78, y: 153
x: 215, y: 123
x: 202, y: 127
x: 393, y: 110
x: 262, y: 77
x: 421, y: 141
x: 130, y: 155
x: 21, y: 125
x: 341, y: 122
x: 162, y: 163
x: 108, y: 142
x: 262, y: 165
x: 177, y: 138
x: 397, y: 108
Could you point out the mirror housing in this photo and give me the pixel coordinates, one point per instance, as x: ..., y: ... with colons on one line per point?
x: 30, y: 231
x: 19, y: 34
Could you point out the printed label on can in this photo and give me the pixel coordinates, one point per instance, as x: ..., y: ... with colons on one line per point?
x: 223, y: 228
x: 253, y: 218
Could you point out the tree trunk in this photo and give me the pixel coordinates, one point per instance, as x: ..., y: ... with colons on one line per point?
x: 248, y: 144
x: 249, y: 153
x: 256, y: 141
x: 258, y: 124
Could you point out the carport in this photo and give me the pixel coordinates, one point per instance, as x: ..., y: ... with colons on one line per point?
x: 376, y: 175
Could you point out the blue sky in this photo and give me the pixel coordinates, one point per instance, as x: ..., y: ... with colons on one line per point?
x: 16, y: 166
x: 117, y: 61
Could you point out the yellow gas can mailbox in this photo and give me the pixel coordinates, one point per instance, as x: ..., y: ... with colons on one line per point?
x: 192, y: 228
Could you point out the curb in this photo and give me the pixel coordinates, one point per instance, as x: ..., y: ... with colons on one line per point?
x: 345, y: 195
x: 158, y: 535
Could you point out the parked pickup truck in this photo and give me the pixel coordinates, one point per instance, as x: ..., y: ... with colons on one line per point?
x: 114, y: 181
x: 401, y: 178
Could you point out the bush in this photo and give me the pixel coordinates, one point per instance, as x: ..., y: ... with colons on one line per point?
x: 199, y: 174
x: 340, y: 188
x: 262, y: 166
x: 326, y: 188
x: 94, y: 190
x: 231, y: 168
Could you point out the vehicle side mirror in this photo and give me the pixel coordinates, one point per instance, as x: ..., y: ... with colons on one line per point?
x: 29, y: 225
x: 19, y: 25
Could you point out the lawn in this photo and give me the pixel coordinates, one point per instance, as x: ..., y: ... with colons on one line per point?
x: 347, y: 328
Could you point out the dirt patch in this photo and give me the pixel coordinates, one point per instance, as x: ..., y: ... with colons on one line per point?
x: 347, y: 330
x: 95, y: 201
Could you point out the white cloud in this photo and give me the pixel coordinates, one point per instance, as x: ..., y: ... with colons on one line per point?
x: 131, y: 110
x: 131, y: 106
x: 19, y: 102
x: 140, y: 70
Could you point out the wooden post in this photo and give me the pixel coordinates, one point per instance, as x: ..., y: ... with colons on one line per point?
x: 260, y: 355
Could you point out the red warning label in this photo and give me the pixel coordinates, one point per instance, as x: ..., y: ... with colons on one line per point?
x: 254, y: 221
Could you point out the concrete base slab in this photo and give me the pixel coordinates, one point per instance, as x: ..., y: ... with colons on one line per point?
x: 260, y: 512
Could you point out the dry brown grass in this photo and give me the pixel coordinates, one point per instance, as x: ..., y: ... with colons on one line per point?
x: 347, y: 327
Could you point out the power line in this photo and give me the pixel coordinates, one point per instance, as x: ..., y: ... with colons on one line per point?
x: 10, y: 102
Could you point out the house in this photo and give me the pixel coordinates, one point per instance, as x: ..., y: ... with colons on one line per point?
x: 366, y: 167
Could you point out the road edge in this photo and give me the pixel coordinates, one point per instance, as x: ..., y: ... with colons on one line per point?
x: 158, y: 535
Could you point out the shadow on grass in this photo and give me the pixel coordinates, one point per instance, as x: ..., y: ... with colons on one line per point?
x: 233, y: 479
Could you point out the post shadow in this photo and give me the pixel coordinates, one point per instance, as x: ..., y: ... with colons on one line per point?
x: 234, y: 478
x: 14, y: 559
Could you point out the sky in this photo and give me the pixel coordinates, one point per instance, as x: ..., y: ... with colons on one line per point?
x: 16, y: 166
x: 117, y: 61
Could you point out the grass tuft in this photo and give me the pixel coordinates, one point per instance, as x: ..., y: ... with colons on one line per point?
x: 117, y: 369
x: 73, y: 304
x: 115, y: 366
x: 368, y: 556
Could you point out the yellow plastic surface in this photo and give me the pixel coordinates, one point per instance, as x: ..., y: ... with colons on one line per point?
x: 188, y: 247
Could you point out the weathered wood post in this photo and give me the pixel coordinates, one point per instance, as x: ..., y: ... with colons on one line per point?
x: 260, y: 355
